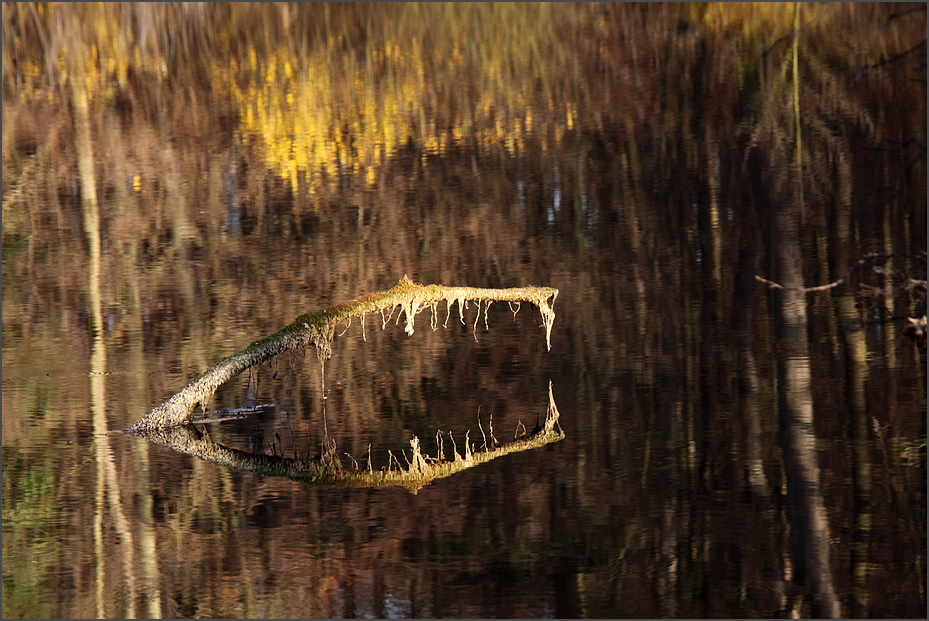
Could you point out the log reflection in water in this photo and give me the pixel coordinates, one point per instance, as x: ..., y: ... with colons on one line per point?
x: 327, y: 469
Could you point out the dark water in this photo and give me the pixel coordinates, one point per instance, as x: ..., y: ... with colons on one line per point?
x: 727, y: 454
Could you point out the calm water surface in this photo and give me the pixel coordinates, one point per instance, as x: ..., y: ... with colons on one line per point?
x: 630, y: 171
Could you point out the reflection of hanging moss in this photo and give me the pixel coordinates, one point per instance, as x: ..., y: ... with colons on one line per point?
x: 327, y: 470
x: 318, y: 328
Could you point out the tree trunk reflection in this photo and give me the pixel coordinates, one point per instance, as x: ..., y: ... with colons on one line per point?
x: 775, y: 599
x: 806, y: 510
x: 107, y: 480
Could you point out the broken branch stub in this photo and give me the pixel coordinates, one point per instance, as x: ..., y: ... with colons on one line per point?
x: 318, y: 328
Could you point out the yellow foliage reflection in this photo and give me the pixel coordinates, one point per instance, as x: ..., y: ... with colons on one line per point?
x: 325, y: 89
x: 438, y: 77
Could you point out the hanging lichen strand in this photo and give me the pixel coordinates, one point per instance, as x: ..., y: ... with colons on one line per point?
x: 318, y: 329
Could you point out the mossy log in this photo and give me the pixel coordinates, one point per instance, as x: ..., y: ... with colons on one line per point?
x: 318, y: 328
x: 327, y: 469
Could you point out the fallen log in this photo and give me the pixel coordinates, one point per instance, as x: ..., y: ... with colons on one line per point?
x: 318, y: 328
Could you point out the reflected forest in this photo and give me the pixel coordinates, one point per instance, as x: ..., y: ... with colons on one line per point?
x: 473, y: 310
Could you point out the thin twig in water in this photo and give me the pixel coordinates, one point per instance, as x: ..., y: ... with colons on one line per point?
x: 775, y: 285
x: 293, y: 437
x: 860, y: 262
x: 480, y: 427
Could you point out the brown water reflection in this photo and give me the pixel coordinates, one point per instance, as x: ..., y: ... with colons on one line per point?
x: 640, y: 158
